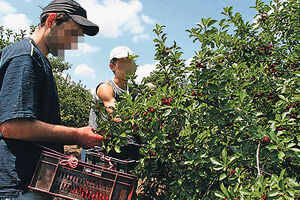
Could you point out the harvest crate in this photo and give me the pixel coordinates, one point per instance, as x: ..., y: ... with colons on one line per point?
x: 96, y: 156
x: 55, y: 175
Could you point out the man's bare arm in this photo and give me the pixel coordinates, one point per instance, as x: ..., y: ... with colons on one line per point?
x: 106, y: 93
x: 37, y: 131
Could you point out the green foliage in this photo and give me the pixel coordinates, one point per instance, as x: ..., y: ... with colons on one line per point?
x: 227, y: 125
x: 58, y: 66
x: 75, y: 99
x: 7, y: 36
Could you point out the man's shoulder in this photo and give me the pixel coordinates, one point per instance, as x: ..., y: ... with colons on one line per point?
x: 23, y: 47
x: 105, y: 86
x: 104, y: 90
x: 16, y: 49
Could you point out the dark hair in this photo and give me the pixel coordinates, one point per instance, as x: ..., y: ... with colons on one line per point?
x: 61, y: 17
x: 113, y: 61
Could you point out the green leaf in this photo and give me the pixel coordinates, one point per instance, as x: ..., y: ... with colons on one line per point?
x: 245, y: 192
x: 290, y: 145
x: 257, y: 114
x: 167, y: 112
x: 241, y: 66
x: 223, y: 176
x: 218, y: 168
x: 224, y: 190
x: 273, y: 122
x: 281, y: 155
x: 273, y: 136
x: 281, y: 184
x: 224, y: 155
x: 201, y: 173
x: 204, y: 21
x: 216, y: 161
x: 210, y: 96
x: 231, y: 160
x: 273, y: 193
x: 179, y: 181
x: 219, y: 194
x: 272, y: 147
x: 283, y: 116
x: 117, y: 149
x: 295, y: 149
x: 123, y: 135
x: 292, y: 182
x: 282, y: 174
x: 128, y: 131
x: 243, y: 95
x: 211, y: 22
x: 155, y: 138
x: 226, y: 107
x: 236, y: 187
x: 186, y: 155
x: 287, y: 139
x: 282, y: 97
x: 291, y: 192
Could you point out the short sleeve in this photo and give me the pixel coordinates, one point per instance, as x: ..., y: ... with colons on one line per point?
x: 18, y: 91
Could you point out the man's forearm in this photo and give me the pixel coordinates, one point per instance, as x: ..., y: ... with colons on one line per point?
x: 35, y: 130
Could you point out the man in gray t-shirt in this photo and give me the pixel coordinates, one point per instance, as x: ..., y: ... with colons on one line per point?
x: 110, y: 91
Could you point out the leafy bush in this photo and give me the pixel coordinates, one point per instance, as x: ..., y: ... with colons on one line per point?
x: 227, y: 125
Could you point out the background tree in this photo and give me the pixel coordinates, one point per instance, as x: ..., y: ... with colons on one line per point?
x: 74, y: 100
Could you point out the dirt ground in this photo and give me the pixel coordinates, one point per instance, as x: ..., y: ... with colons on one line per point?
x: 73, y: 149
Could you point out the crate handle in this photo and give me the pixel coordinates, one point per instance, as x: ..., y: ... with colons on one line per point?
x: 72, y: 161
x: 105, y: 158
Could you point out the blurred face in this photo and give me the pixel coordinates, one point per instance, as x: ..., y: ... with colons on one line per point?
x: 62, y: 37
x: 123, y: 67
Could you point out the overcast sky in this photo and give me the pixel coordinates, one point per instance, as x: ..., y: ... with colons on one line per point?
x: 127, y: 23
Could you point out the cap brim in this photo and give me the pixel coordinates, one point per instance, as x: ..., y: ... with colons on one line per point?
x: 121, y: 55
x: 89, y: 28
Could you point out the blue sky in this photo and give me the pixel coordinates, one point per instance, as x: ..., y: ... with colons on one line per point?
x: 127, y: 23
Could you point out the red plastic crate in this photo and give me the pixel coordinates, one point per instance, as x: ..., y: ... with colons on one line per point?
x: 55, y: 176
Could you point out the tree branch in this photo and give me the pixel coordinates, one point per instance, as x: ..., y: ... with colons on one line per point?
x: 257, y: 160
x: 208, y: 189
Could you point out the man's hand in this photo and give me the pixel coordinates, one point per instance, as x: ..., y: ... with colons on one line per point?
x: 116, y: 118
x: 36, y: 131
x: 151, y: 86
x: 87, y: 137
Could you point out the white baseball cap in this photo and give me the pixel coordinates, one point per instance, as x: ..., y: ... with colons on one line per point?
x: 120, y: 52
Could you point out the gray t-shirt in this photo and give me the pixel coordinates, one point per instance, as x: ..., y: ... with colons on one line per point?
x: 134, y: 142
x: 117, y: 95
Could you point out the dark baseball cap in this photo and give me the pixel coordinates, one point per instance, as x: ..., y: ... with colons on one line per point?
x: 76, y: 12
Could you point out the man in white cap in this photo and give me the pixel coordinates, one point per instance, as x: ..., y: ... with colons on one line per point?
x: 121, y: 65
x: 110, y: 91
